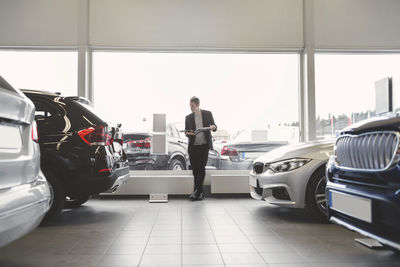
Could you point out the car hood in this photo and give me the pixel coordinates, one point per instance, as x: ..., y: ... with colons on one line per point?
x: 320, y: 150
x: 386, y: 122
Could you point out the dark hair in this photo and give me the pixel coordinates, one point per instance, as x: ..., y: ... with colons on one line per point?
x: 195, y: 100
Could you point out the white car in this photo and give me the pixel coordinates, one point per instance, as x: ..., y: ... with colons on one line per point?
x: 24, y: 192
x: 293, y: 176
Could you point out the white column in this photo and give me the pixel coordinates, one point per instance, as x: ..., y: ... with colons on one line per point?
x: 307, y: 76
x: 84, y: 53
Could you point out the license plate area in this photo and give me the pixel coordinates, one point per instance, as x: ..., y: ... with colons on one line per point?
x: 10, y: 140
x: 354, y: 206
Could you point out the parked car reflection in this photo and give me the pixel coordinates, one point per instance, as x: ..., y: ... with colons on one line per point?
x: 137, y: 146
x: 239, y: 155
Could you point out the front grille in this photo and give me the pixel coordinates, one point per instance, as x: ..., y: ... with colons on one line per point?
x: 374, y: 151
x: 361, y: 181
x: 258, y: 167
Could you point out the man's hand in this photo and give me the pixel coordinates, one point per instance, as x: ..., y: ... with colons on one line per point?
x: 190, y: 133
x: 213, y: 127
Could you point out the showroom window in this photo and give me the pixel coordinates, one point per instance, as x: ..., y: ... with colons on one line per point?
x: 345, y: 88
x: 54, y: 71
x: 253, y: 98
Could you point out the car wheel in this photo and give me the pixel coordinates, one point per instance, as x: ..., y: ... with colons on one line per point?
x: 57, y: 192
x: 71, y: 203
x: 315, y: 197
x: 176, y: 165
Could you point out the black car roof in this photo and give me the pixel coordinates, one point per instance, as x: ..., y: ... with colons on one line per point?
x: 56, y: 94
x: 39, y: 92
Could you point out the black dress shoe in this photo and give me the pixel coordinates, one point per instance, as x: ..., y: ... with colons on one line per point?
x: 198, y: 197
x: 193, y: 195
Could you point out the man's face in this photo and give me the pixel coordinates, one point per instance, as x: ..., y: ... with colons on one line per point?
x: 194, y: 107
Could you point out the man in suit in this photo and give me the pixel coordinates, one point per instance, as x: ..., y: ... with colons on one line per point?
x: 199, y: 144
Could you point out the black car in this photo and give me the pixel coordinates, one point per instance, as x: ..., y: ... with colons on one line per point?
x: 81, y: 154
x: 137, y: 147
x: 363, y: 179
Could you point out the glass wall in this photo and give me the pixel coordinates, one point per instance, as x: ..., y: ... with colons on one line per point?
x: 54, y: 71
x: 345, y: 88
x: 253, y: 98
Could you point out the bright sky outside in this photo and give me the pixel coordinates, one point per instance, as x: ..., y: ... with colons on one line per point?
x: 50, y: 71
x: 346, y: 83
x: 244, y: 91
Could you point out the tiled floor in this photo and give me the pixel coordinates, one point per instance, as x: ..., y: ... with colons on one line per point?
x: 214, y: 232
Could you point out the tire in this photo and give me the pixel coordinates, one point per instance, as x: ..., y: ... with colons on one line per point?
x: 71, y: 203
x: 315, y: 196
x: 176, y: 165
x: 57, y: 191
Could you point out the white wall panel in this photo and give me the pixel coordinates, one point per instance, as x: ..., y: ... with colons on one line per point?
x: 39, y: 22
x: 356, y: 24
x: 196, y: 24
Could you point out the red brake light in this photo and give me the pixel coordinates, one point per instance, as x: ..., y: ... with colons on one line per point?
x: 147, y: 142
x: 34, y: 132
x: 95, y: 136
x: 142, y: 143
x: 226, y: 151
x: 105, y: 170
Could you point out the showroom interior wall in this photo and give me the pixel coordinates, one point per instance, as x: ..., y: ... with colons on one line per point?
x: 300, y: 26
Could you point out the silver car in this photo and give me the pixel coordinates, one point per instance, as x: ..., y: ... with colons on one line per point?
x: 293, y: 176
x: 24, y: 192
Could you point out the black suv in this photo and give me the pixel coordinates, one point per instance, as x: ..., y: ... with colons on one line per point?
x: 81, y: 154
x: 137, y: 147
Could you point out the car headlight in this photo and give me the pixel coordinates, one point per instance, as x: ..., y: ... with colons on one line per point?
x: 287, y: 165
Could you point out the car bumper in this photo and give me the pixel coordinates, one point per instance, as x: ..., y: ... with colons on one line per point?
x: 153, y: 162
x: 283, y: 189
x: 141, y: 163
x: 384, y: 209
x: 120, y: 180
x: 111, y: 182
x: 22, y: 208
x: 227, y: 164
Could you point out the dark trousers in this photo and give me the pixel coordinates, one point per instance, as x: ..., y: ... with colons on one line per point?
x: 198, y: 156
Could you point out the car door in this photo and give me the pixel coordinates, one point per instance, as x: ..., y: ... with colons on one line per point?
x: 175, y: 142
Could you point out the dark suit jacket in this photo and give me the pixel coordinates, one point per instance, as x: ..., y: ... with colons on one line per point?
x: 208, y: 120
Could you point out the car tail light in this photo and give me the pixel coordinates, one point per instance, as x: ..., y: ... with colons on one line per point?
x: 34, y: 132
x: 95, y: 136
x: 107, y: 170
x: 142, y: 143
x: 226, y: 151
